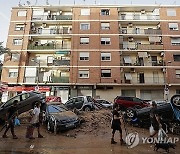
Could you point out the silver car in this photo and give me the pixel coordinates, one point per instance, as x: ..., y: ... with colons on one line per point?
x: 84, y: 103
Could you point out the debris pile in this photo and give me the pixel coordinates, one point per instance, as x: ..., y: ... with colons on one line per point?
x: 95, y: 122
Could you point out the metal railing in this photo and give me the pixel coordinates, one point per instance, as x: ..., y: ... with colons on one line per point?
x: 141, y: 31
x: 145, y: 80
x: 52, y: 17
x: 137, y: 46
x: 61, y: 62
x: 39, y: 31
x: 48, y: 46
x: 139, y: 17
x: 59, y: 79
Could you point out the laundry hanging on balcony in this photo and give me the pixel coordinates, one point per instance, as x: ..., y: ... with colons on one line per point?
x: 142, y: 54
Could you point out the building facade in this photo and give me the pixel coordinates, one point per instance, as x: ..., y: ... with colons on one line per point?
x: 102, y: 51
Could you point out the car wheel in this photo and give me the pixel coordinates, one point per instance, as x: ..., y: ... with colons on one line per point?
x: 87, y: 109
x: 130, y: 113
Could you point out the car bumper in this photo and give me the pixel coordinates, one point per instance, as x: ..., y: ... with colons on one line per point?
x: 67, y: 126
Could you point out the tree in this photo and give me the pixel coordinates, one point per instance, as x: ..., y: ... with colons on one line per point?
x: 3, y: 50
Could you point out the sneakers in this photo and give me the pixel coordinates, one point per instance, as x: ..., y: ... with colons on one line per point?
x: 5, y: 136
x: 15, y: 137
x: 40, y: 136
x: 112, y: 141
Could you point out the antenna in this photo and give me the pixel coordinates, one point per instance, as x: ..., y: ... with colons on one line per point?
x: 19, y: 3
x: 47, y: 3
x: 174, y: 3
x: 36, y: 2
x: 95, y: 2
x: 74, y: 2
x: 59, y: 2
x: 28, y: 2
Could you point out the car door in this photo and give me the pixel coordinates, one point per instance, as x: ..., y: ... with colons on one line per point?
x: 70, y: 103
x: 26, y: 103
x: 79, y: 102
x: 128, y: 101
x: 137, y: 102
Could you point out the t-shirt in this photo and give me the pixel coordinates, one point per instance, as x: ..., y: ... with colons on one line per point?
x: 11, y: 112
x: 116, y: 113
x: 35, y: 117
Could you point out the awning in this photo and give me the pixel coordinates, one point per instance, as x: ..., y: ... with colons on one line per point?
x: 142, y: 54
x: 62, y: 52
x: 20, y: 89
x: 128, y: 76
x: 127, y: 60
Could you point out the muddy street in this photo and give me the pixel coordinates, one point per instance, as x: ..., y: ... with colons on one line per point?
x: 93, y: 136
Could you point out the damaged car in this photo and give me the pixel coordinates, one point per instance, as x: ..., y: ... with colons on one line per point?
x: 59, y: 118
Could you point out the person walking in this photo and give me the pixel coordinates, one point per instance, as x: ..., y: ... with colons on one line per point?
x: 35, y: 123
x: 155, y: 119
x: 10, y: 120
x: 116, y: 125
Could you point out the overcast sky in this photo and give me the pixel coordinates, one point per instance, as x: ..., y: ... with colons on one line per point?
x: 5, y: 8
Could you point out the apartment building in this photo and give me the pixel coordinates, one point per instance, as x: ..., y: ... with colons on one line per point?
x: 102, y: 51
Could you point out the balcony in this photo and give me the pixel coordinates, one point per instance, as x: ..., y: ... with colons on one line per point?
x: 52, y: 17
x: 139, y: 17
x: 149, y: 46
x: 59, y: 79
x: 141, y: 31
x: 61, y: 62
x: 145, y: 80
x: 51, y: 31
x: 47, y: 46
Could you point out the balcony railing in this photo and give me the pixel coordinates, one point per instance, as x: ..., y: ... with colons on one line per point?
x: 52, y: 31
x: 60, y: 79
x: 61, y: 62
x: 145, y: 80
x: 152, y: 63
x: 52, y: 17
x: 48, y: 46
x: 139, y: 17
x: 141, y: 31
x: 137, y: 46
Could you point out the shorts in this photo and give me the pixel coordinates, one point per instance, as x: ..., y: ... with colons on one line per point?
x: 36, y: 125
x: 114, y: 130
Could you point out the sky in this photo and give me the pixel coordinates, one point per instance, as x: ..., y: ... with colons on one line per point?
x: 6, y: 5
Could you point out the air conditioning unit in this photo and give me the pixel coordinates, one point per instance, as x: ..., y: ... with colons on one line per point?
x: 42, y: 69
x: 130, y: 25
x: 130, y: 39
x: 49, y: 12
x: 60, y: 12
x: 132, y: 70
x: 143, y: 11
x: 44, y: 25
x: 33, y: 24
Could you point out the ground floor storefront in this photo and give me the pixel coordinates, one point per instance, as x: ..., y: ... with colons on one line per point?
x: 107, y: 92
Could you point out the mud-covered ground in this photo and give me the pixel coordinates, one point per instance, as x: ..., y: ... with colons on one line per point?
x: 92, y: 137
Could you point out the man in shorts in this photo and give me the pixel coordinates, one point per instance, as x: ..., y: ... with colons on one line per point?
x: 35, y: 119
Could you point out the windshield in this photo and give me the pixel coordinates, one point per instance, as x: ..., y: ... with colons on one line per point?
x: 56, y: 109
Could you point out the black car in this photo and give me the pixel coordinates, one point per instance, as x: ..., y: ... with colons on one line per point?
x: 59, y: 118
x: 26, y: 101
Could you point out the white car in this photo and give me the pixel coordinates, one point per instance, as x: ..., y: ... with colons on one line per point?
x: 105, y: 103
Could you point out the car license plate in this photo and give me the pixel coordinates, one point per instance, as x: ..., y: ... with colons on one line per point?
x: 69, y: 125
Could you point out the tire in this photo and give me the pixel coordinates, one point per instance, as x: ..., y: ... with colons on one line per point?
x: 175, y: 100
x: 55, y: 127
x: 87, y: 108
x: 130, y: 113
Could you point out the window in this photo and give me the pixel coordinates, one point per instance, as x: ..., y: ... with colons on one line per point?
x: 178, y: 91
x: 176, y: 57
x: 84, y: 56
x: 105, y: 25
x: 105, y: 41
x: 83, y: 73
x: 105, y: 73
x: 15, y: 56
x: 10, y: 102
x: 105, y: 56
x: 85, y: 12
x: 173, y: 26
x: 22, y: 13
x: 50, y: 59
x: 17, y: 41
x: 13, y: 73
x: 175, y: 41
x: 84, y: 26
x: 105, y: 12
x: 25, y: 96
x: 171, y: 12
x: 84, y: 40
x: 178, y: 74
x: 19, y: 27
